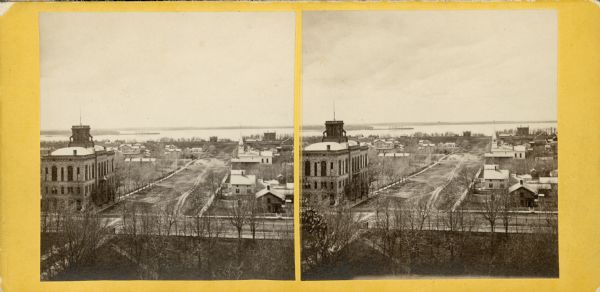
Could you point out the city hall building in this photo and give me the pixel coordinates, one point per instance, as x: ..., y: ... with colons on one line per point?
x: 78, y: 176
x: 335, y: 169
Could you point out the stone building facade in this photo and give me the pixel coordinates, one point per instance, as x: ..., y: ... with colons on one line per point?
x: 334, y: 170
x: 78, y: 176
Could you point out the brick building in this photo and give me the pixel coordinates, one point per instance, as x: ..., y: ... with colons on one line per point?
x: 335, y: 169
x: 78, y: 176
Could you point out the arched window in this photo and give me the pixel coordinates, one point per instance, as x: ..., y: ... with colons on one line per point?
x: 307, y: 168
x: 323, y: 168
x: 69, y: 173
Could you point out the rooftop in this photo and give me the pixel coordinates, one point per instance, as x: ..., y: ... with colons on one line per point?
x: 254, y: 159
x: 499, y: 154
x: 526, y: 186
x: 73, y: 151
x: 140, y: 159
x: 239, y: 179
x: 520, y: 148
x: 323, y: 146
x: 275, y: 193
x: 495, y: 174
x: 549, y: 180
x: 397, y: 154
x: 333, y: 146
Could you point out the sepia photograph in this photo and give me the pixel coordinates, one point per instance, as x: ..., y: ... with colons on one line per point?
x: 166, y: 146
x: 429, y: 144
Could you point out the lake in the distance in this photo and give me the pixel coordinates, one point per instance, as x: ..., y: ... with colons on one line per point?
x: 235, y: 134
x: 486, y: 129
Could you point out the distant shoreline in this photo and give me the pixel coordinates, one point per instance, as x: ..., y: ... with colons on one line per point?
x: 404, y: 125
x: 363, y: 126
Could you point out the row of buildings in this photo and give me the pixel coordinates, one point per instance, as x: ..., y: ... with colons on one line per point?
x: 525, y: 189
x: 510, y: 167
x: 272, y: 196
x: 253, y: 165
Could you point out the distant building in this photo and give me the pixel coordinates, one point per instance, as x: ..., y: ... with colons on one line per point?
x: 394, y: 155
x: 140, y: 160
x: 447, y: 145
x: 494, y: 178
x: 521, y: 136
x: 523, y: 193
x: 522, y: 131
x: 336, y: 168
x: 503, y: 153
x: 467, y: 134
x: 241, y: 183
x: 269, y: 136
x: 383, y: 145
x: 425, y: 145
x: 270, y: 201
x: 132, y: 150
x: 78, y: 176
x: 196, y: 150
x: 213, y: 139
x: 275, y: 197
x: 520, y: 151
x: 247, y: 157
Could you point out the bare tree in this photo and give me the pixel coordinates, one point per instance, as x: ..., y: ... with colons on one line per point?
x: 492, y: 212
x: 170, y: 219
x: 506, y: 207
x: 491, y: 209
x: 252, y: 219
x: 238, y: 217
x: 423, y: 213
x: 212, y: 229
x: 384, y: 226
x: 83, y: 233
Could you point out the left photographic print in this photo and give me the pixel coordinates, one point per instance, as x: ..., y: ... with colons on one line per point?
x: 166, y: 146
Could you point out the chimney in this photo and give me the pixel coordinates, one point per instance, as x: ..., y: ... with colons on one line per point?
x: 521, y: 182
x: 328, y: 147
x: 268, y: 187
x: 74, y: 151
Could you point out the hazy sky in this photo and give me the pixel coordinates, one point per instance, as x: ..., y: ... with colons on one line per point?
x: 166, y: 69
x: 404, y: 66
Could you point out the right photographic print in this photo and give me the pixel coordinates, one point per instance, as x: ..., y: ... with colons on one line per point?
x: 429, y: 144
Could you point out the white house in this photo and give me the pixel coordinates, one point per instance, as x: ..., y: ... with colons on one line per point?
x: 241, y: 183
x: 494, y: 178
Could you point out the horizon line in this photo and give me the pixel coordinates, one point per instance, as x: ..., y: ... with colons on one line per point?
x: 314, y: 125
